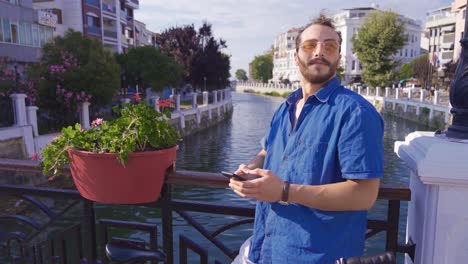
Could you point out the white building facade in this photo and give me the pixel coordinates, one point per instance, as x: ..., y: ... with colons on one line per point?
x: 110, y: 21
x: 284, y: 66
x: 440, y: 32
x: 348, y: 22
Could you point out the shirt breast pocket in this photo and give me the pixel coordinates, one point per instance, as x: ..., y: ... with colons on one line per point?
x: 311, y: 159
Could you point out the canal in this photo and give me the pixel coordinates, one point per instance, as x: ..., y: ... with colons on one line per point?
x: 236, y: 141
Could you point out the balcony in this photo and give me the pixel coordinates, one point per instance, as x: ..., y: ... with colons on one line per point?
x: 109, y: 8
x: 110, y: 34
x: 94, y: 30
x: 94, y: 3
x: 132, y: 4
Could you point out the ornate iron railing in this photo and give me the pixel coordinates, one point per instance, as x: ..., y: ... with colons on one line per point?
x: 80, y: 243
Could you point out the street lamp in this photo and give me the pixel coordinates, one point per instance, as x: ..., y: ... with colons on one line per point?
x: 204, y: 80
x: 459, y: 93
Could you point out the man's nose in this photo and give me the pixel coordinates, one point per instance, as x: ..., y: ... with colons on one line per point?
x: 319, y: 50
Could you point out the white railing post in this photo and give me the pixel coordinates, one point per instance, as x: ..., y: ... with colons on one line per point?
x: 377, y: 91
x: 359, y: 89
x: 422, y: 97
x: 194, y: 100
x: 436, y: 97
x: 19, y: 107
x: 205, y: 98
x: 155, y: 102
x: 215, y: 97
x: 32, y: 118
x: 85, y: 115
x: 367, y: 90
x: 177, y: 102
x: 387, y: 92
x: 410, y: 94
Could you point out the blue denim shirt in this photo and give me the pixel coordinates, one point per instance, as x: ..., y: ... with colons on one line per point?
x: 338, y: 136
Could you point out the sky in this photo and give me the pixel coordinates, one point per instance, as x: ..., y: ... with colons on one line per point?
x: 250, y: 26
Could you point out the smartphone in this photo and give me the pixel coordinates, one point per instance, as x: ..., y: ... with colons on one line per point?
x: 232, y: 175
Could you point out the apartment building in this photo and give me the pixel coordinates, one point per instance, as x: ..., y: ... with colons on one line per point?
x: 440, y: 36
x: 459, y: 8
x: 110, y: 21
x: 143, y: 36
x: 283, y: 56
x: 348, y: 22
x: 23, y: 30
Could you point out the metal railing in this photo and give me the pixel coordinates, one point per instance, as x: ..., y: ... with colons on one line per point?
x: 89, y: 248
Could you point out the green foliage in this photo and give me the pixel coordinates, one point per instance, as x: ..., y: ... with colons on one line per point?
x: 262, y: 67
x: 139, y: 128
x: 406, y: 71
x: 199, y: 53
x: 241, y: 75
x: 74, y: 69
x: 381, y: 36
x: 148, y: 67
x: 276, y: 94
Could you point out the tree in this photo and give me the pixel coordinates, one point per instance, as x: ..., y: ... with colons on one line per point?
x: 262, y: 67
x: 422, y: 70
x: 74, y: 69
x: 148, y: 67
x: 406, y: 71
x: 375, y: 42
x: 241, y: 75
x: 199, y: 53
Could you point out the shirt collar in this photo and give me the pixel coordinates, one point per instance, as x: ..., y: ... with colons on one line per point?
x: 323, y: 94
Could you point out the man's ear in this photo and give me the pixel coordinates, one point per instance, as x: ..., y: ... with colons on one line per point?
x: 296, y: 58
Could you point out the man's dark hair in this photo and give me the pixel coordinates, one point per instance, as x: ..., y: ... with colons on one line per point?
x: 322, y: 20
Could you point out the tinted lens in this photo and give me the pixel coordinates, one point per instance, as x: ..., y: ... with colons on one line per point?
x: 331, y: 47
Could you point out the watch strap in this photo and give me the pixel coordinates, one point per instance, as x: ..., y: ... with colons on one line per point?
x: 285, y: 194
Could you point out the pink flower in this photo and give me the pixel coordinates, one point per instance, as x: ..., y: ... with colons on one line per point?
x: 35, y: 156
x: 97, y: 122
x: 136, y: 97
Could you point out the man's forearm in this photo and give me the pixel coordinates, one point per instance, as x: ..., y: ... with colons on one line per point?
x: 350, y: 195
x: 258, y: 161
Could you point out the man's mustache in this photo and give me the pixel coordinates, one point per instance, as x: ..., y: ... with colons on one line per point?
x: 321, y: 60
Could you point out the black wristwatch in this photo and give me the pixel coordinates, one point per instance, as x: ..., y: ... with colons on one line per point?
x: 285, y: 194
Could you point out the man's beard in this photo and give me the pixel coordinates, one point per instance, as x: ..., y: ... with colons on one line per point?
x: 317, y: 75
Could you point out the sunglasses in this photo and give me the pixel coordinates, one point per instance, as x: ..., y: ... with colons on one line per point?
x: 330, y: 47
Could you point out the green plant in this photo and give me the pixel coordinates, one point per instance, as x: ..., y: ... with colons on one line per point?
x: 139, y: 128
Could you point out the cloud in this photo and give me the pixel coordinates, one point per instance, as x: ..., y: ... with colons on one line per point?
x: 250, y: 27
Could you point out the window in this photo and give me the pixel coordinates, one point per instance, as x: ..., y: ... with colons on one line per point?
x: 6, y: 30
x: 35, y: 35
x: 406, y: 52
x: 353, y: 65
x: 92, y: 21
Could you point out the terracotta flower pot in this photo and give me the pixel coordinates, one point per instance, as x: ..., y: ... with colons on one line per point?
x: 101, y: 178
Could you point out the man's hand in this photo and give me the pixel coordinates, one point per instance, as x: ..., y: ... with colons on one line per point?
x: 265, y: 185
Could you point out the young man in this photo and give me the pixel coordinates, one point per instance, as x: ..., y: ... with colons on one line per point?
x: 322, y: 160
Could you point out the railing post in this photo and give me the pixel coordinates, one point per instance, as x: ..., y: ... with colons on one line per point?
x: 367, y: 90
x: 167, y: 220
x: 177, y: 102
x: 205, y: 98
x: 422, y: 97
x: 32, y: 118
x: 155, y: 102
x: 19, y: 107
x: 89, y: 231
x: 85, y: 115
x: 194, y: 100
x: 359, y: 89
x: 387, y: 92
x: 215, y: 97
x: 436, y: 97
x: 377, y: 91
x: 393, y: 218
